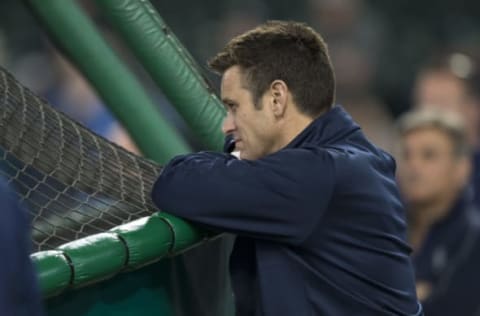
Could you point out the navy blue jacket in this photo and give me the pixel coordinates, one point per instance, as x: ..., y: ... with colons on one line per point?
x: 321, y: 229
x: 475, y: 180
x: 19, y: 294
x: 449, y: 260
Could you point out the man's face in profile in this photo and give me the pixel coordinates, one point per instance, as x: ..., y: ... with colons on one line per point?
x: 253, y: 127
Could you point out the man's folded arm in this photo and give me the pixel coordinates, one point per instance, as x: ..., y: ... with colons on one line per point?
x: 279, y: 197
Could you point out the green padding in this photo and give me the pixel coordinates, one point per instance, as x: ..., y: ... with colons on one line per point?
x: 185, y: 235
x: 138, y: 293
x: 170, y: 65
x: 54, y: 272
x: 95, y: 257
x: 124, y: 95
x: 148, y: 239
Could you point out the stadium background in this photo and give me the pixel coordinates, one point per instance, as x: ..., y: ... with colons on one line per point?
x: 376, y: 48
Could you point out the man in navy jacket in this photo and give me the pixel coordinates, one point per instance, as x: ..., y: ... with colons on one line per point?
x: 320, y: 227
x: 19, y: 293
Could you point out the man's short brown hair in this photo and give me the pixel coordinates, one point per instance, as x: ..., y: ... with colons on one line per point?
x: 288, y: 51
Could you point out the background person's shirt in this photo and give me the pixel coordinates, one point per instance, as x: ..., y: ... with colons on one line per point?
x: 447, y: 264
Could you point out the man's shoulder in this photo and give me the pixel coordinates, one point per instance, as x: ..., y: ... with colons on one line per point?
x: 349, y: 153
x: 351, y: 161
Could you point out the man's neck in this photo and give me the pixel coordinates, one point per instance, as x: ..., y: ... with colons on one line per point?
x: 292, y: 126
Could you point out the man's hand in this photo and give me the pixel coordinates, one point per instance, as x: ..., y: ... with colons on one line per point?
x: 229, y: 144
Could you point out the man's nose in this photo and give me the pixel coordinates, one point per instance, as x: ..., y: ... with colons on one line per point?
x: 228, y: 125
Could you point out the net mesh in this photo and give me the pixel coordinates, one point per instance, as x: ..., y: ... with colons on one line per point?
x: 74, y: 182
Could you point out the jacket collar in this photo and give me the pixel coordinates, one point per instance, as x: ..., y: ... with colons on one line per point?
x: 327, y: 128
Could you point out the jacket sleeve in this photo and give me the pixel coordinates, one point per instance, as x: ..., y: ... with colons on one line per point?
x: 280, y: 197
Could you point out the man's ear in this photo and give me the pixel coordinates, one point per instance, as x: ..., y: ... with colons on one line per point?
x: 279, y: 97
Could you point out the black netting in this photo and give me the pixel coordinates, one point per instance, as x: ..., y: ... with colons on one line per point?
x: 74, y: 182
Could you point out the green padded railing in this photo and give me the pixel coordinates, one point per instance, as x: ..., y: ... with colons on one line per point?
x: 126, y: 247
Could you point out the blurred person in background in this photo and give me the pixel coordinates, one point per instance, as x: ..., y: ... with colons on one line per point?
x: 434, y: 169
x: 451, y: 82
x: 73, y: 95
x: 19, y: 293
x: 53, y: 77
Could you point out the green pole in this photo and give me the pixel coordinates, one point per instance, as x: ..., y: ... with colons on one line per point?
x: 177, y: 74
x: 170, y: 65
x: 123, y: 94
